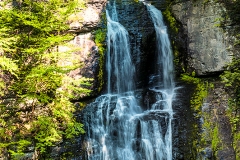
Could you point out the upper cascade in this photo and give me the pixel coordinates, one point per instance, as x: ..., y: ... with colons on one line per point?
x: 164, y: 63
x: 120, y: 69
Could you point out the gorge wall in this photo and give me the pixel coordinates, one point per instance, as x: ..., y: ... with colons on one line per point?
x: 202, y: 47
x: 210, y: 36
x: 203, y: 50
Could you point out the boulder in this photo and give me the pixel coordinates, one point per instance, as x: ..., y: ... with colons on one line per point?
x: 209, y: 47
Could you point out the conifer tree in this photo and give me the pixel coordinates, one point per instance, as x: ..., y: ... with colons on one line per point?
x: 35, y: 106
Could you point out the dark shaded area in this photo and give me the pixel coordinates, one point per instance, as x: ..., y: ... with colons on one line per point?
x: 233, y: 11
x: 134, y: 17
x: 184, y: 124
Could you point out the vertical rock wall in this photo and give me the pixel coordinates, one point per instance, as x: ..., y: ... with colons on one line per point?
x: 134, y: 17
x: 209, y: 47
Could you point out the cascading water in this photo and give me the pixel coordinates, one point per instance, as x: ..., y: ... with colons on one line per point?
x: 119, y: 64
x: 121, y: 129
x: 164, y: 52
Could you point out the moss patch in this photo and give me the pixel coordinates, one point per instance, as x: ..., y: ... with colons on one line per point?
x: 100, y: 38
x: 207, y: 134
x: 200, y: 91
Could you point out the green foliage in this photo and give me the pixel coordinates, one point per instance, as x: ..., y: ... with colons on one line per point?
x: 100, y: 37
x: 200, y: 91
x: 219, y: 22
x: 209, y: 135
x: 170, y: 18
x: 234, y: 118
x: 21, y: 147
x: 40, y: 112
x: 206, y: 1
x: 215, y: 139
x: 74, y: 129
x: 47, y: 132
x: 231, y: 15
x: 7, y: 64
x: 236, y: 143
x: 207, y: 129
x: 2, y: 87
x: 231, y: 78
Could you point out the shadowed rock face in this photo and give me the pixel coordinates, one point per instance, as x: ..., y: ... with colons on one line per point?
x: 209, y: 47
x: 135, y: 18
x: 217, y: 104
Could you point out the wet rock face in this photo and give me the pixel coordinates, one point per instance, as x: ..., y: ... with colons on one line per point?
x: 184, y: 133
x: 209, y: 47
x: 134, y: 17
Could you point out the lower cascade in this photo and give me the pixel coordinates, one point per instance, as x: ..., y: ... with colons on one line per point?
x: 121, y: 126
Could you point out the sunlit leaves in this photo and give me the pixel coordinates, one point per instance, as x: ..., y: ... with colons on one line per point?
x: 8, y: 64
x: 40, y: 112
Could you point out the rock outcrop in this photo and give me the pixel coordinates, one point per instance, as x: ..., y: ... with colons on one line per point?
x: 83, y: 23
x: 216, y: 105
x: 87, y: 19
x: 85, y: 53
x: 209, y: 47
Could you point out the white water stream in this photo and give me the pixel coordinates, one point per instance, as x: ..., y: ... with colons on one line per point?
x: 120, y: 129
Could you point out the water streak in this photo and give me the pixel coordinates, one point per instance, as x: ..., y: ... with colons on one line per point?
x: 165, y: 62
x: 119, y: 64
x: 164, y: 51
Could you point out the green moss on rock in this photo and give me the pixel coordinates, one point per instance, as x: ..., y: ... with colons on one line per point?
x: 100, y: 37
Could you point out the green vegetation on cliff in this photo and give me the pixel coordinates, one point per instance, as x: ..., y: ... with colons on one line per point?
x: 100, y: 37
x: 35, y: 103
x: 200, y: 91
x: 231, y: 78
x: 205, y: 133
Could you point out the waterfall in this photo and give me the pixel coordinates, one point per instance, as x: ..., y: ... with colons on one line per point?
x: 165, y: 63
x: 120, y: 128
x: 164, y: 51
x: 120, y: 69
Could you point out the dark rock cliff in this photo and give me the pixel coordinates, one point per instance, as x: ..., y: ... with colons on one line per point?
x: 205, y: 48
